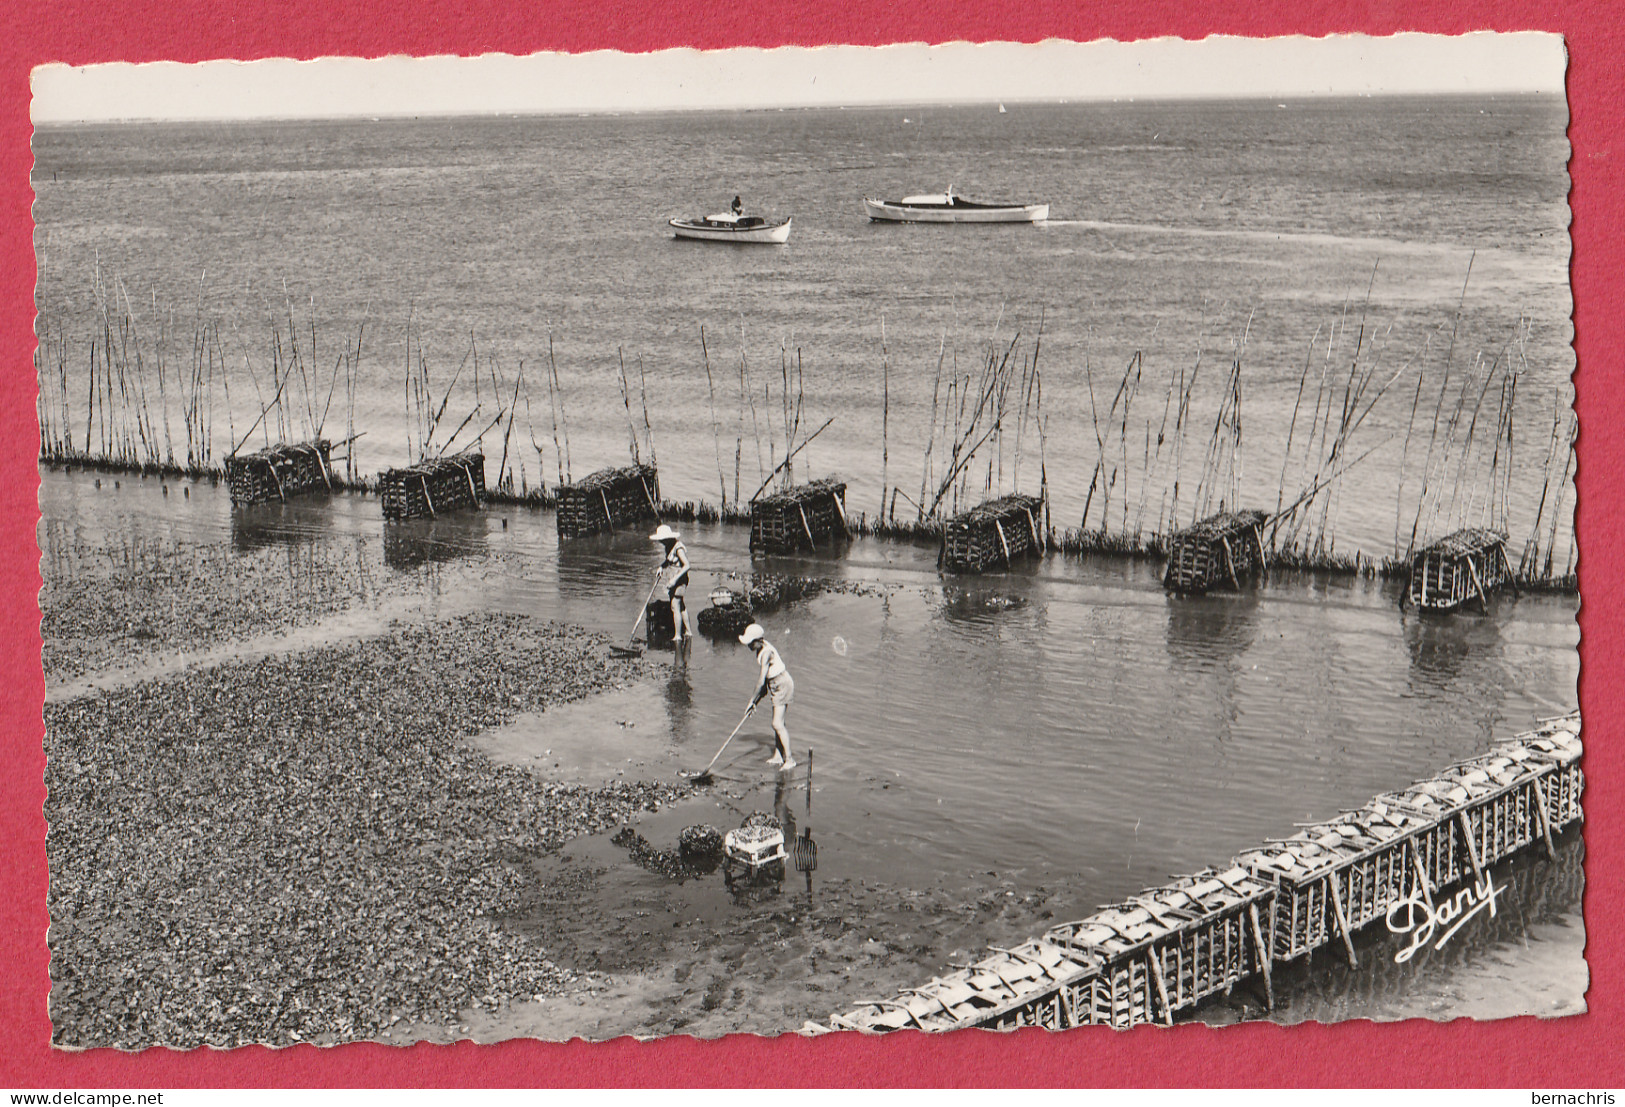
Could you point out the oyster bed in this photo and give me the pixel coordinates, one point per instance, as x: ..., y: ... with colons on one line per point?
x: 302, y: 847
x: 103, y: 604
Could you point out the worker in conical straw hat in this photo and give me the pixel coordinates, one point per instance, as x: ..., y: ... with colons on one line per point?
x: 773, y: 679
x: 673, y: 569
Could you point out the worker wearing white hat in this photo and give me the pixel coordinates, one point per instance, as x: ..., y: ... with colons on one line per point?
x: 773, y: 679
x: 674, y: 570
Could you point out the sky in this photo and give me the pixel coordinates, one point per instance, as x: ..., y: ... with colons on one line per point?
x: 606, y: 81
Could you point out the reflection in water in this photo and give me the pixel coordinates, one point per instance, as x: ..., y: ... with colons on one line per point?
x: 263, y: 525
x: 978, y: 606
x: 679, y: 696
x: 1534, y: 894
x: 802, y: 849
x: 1210, y: 630
x: 411, y: 543
x: 1445, y: 649
x: 953, y: 739
x: 587, y: 563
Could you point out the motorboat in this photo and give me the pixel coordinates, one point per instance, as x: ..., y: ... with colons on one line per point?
x: 731, y: 226
x: 946, y: 207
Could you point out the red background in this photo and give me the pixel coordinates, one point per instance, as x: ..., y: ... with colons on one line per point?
x: 1575, y: 1052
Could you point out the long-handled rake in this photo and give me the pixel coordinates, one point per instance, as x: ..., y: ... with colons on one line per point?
x: 704, y: 775
x: 631, y: 649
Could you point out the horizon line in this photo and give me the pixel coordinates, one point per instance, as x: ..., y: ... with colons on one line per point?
x: 791, y: 77
x: 866, y: 105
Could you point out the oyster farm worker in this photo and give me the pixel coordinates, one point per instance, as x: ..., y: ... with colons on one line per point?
x: 773, y: 679
x: 673, y: 569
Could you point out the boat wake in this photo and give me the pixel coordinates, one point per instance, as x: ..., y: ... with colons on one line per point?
x: 1390, y: 245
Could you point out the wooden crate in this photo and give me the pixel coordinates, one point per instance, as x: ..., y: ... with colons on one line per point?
x: 434, y: 487
x: 1221, y: 549
x: 1335, y: 878
x: 1169, y: 947
x: 807, y: 517
x: 1465, y: 566
x: 279, y: 472
x: 1033, y: 984
x: 1556, y: 746
x: 992, y: 534
x: 608, y: 499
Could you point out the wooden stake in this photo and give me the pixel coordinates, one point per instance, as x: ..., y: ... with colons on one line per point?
x: 271, y: 468
x: 1483, y: 601
x: 1342, y: 920
x: 1545, y: 819
x: 427, y: 499
x: 1229, y: 562
x: 1162, y: 986
x: 1004, y: 545
x: 840, y: 509
x: 810, y: 540
x: 1264, y: 955
x: 1472, y: 851
x: 1422, y: 876
x: 322, y: 465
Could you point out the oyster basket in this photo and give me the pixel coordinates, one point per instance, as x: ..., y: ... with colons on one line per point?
x: 1343, y: 874
x: 1555, y: 746
x: 1166, y: 948
x: 279, y: 472
x: 754, y: 846
x: 607, y: 499
x: 992, y: 534
x: 805, y: 517
x: 1036, y: 983
x: 1221, y: 549
x: 433, y: 487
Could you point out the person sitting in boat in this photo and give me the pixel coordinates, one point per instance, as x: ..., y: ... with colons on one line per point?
x: 738, y: 208
x: 674, y: 568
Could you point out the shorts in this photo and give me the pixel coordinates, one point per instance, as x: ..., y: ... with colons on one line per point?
x: 674, y: 591
x: 782, y: 689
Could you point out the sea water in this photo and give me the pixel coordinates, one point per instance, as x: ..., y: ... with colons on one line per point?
x: 1422, y: 240
x: 1069, y: 725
